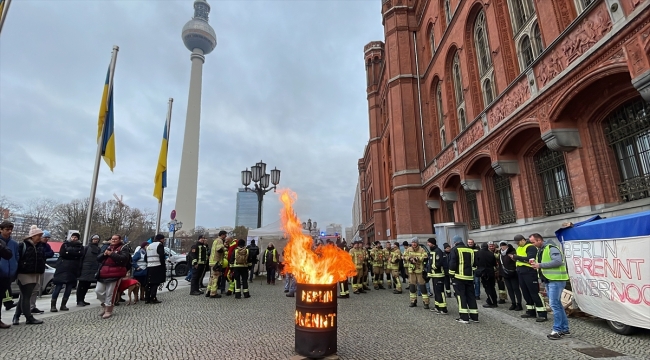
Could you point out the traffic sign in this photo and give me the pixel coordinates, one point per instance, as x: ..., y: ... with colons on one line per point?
x: 173, y: 215
x: 172, y: 227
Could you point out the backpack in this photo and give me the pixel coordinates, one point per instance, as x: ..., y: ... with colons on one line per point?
x: 241, y: 257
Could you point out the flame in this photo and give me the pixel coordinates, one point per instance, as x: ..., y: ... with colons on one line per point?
x: 326, y: 264
x: 314, y: 320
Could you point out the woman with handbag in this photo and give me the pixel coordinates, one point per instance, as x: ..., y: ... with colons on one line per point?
x: 114, y: 263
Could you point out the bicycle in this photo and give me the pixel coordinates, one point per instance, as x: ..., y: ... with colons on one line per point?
x: 171, y: 283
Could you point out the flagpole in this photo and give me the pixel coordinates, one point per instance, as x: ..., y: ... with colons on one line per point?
x: 5, y: 10
x: 162, y: 191
x: 98, y: 156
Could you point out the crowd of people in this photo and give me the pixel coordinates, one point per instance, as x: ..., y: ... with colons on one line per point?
x: 430, y: 271
x: 427, y: 271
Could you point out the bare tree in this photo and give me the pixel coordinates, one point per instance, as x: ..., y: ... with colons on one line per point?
x: 240, y: 232
x: 70, y: 216
x: 8, y: 207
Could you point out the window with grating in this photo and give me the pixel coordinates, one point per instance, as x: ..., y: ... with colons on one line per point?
x: 526, y: 52
x: 503, y: 192
x: 552, y: 173
x: 628, y: 133
x: 449, y: 205
x: 472, y: 208
x: 537, y: 36
x: 520, y: 14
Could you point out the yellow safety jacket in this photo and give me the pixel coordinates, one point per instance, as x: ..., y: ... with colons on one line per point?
x: 377, y: 256
x: 358, y: 257
x: 521, y: 251
x: 417, y: 256
x: 217, y: 252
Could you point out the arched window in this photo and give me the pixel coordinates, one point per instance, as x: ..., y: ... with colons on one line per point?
x: 458, y: 83
x: 520, y: 14
x: 449, y: 207
x: 472, y: 209
x: 526, y: 52
x: 503, y: 192
x: 551, y: 170
x: 488, y: 92
x: 628, y: 133
x: 462, y: 121
x: 447, y: 12
x: 537, y: 35
x: 582, y: 5
x: 441, y: 120
x: 443, y: 141
x: 432, y: 41
x: 482, y: 44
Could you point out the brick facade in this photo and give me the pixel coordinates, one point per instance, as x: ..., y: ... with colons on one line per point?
x: 536, y: 86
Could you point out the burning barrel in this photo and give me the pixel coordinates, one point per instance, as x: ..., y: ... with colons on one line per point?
x: 316, y: 322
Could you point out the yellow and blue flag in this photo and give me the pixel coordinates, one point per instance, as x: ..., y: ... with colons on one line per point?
x: 106, y: 124
x: 2, y: 7
x: 160, y: 180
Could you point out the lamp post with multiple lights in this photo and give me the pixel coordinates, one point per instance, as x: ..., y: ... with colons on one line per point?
x: 262, y: 180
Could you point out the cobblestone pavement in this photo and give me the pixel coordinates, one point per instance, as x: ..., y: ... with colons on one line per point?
x: 377, y: 325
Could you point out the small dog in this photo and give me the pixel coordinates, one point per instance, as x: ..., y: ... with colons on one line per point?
x: 133, y: 288
x: 135, y: 291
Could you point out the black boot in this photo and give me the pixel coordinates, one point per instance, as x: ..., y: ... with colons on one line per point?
x: 64, y: 301
x: 16, y: 320
x: 53, y: 306
x: 247, y: 295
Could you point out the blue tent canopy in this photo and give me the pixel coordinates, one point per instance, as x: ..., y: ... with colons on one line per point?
x: 617, y: 227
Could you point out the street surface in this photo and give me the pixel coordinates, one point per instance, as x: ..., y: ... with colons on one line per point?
x: 377, y: 325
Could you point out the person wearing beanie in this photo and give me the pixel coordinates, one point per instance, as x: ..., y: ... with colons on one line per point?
x: 67, y: 270
x: 240, y: 261
x: 436, y: 271
x: 156, y: 268
x: 89, y: 267
x: 528, y: 279
x: 139, y: 267
x: 461, y: 269
x: 199, y: 259
x: 47, y: 249
x: 30, y: 267
x: 414, y: 258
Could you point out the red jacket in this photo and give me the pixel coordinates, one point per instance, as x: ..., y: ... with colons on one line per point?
x: 113, y: 267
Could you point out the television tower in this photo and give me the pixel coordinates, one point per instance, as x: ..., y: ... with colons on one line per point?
x: 200, y: 39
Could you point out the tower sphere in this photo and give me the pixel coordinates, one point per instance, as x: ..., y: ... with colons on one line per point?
x: 197, y: 33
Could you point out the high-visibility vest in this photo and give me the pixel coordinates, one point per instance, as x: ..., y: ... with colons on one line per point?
x: 521, y: 251
x: 553, y: 274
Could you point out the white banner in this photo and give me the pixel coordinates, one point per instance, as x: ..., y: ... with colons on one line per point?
x: 611, y: 278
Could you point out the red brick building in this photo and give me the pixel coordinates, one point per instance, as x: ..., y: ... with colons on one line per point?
x: 512, y: 116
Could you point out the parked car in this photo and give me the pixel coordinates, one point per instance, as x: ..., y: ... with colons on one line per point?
x: 48, y: 285
x: 53, y: 260
x: 178, y: 260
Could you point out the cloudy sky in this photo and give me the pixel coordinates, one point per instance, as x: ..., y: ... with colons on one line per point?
x: 286, y: 84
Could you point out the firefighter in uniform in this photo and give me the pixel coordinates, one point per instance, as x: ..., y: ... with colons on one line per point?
x: 414, y: 258
x: 240, y: 259
x: 528, y: 280
x: 344, y: 287
x: 394, y: 259
x: 216, y: 266
x: 436, y: 272
x: 461, y: 268
x: 199, y: 256
x: 367, y: 267
x: 387, y: 269
x: 230, y: 274
x: 359, y: 259
x: 503, y: 294
x: 377, y: 258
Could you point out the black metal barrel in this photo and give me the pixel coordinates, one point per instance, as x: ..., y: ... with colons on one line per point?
x: 316, y: 320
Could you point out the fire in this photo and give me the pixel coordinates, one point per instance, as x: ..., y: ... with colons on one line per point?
x: 314, y: 320
x: 326, y: 264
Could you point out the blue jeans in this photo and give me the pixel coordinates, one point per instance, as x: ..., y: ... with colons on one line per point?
x: 290, y: 283
x: 428, y: 288
x: 66, y: 293
x: 477, y: 286
x: 189, y: 274
x: 554, y: 291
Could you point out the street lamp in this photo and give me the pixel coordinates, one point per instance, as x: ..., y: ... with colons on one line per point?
x: 258, y: 175
x: 310, y: 226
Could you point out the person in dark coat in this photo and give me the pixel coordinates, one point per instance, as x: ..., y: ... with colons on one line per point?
x: 271, y: 260
x: 507, y: 268
x: 67, y: 270
x: 254, y: 252
x: 156, y: 268
x: 485, y: 266
x: 31, y: 265
x: 89, y: 267
x: 139, y: 266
